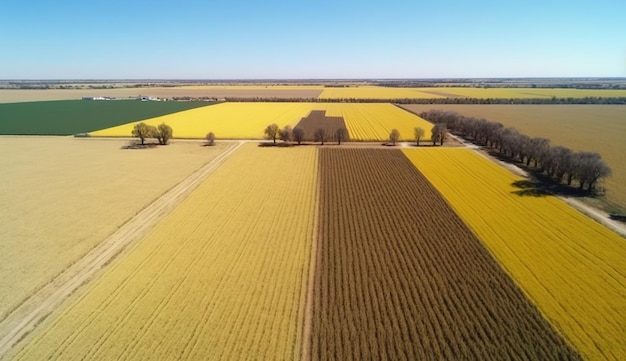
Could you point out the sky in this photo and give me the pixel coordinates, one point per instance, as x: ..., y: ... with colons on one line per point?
x: 311, y: 39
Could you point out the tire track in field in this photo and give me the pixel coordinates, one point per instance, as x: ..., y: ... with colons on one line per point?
x: 32, y: 311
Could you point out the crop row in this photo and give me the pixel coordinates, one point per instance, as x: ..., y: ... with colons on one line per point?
x: 571, y: 267
x: 247, y: 120
x: 399, y: 275
x: 219, y: 278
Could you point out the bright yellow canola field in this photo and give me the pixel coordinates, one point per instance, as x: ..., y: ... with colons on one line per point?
x: 374, y: 121
x: 375, y: 92
x: 223, y: 277
x: 226, y: 120
x: 571, y: 267
x: 248, y: 120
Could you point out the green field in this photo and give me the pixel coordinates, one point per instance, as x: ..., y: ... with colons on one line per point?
x: 69, y: 117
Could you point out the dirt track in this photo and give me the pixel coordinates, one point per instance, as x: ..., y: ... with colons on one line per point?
x: 30, y: 313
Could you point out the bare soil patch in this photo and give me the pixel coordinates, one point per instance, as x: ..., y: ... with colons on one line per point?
x: 317, y: 119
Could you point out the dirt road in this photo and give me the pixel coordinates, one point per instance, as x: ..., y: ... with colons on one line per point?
x: 36, y: 308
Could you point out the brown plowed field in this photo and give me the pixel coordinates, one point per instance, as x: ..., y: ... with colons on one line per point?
x: 400, y: 277
x: 317, y: 119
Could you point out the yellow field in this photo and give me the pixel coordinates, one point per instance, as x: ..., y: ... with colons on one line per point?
x: 62, y: 196
x: 374, y: 92
x: 375, y: 121
x: 571, y: 267
x: 594, y: 128
x: 527, y: 92
x: 248, y: 120
x: 222, y: 277
x: 226, y: 120
x: 251, y: 87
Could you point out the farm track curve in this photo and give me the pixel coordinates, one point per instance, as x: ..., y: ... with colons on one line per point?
x: 33, y: 310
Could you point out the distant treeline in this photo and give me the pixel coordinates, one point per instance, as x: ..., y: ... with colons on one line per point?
x: 459, y: 100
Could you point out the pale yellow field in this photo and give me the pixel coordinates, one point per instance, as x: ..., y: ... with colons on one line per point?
x: 223, y: 277
x: 594, y: 128
x: 251, y: 87
x: 226, y: 120
x: 571, y: 267
x: 375, y: 121
x: 62, y: 196
x: 374, y: 92
x: 518, y: 93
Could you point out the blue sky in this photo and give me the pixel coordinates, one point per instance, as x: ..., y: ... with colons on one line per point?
x: 313, y: 39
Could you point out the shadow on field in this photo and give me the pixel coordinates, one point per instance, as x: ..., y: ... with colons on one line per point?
x: 618, y: 217
x: 542, y: 186
x: 139, y: 146
x: 272, y: 144
x: 530, y: 189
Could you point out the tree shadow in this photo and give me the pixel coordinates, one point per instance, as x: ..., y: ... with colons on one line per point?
x: 134, y: 145
x: 618, y: 217
x: 531, y: 189
x: 279, y: 144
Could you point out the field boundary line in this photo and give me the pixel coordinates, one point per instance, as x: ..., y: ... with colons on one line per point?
x: 24, y: 318
x: 307, y: 327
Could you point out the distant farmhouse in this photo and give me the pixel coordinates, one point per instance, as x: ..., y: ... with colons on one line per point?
x: 145, y: 98
x: 98, y: 98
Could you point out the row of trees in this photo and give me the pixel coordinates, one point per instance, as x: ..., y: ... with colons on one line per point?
x: 162, y: 133
x: 560, y: 163
x: 297, y: 134
x: 458, y: 100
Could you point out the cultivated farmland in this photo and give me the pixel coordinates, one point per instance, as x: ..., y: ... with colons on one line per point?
x: 247, y: 120
x: 62, y: 196
x: 31, y: 95
x: 571, y: 267
x: 375, y: 121
x: 399, y: 275
x: 595, y: 128
x: 317, y: 119
x: 226, y: 120
x: 80, y: 116
x: 222, y: 277
x: 375, y: 92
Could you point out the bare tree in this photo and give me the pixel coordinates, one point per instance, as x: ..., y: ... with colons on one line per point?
x: 272, y: 132
x: 439, y: 133
x: 590, y: 169
x: 320, y: 135
x: 419, y: 133
x: 210, y: 138
x: 340, y: 134
x: 286, y: 134
x: 298, y: 135
x: 163, y: 133
x: 394, y: 135
x: 537, y: 149
x: 142, y: 131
